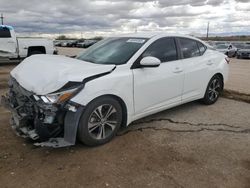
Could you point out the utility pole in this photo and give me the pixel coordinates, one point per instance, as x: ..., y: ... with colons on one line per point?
x: 207, y: 29
x: 2, y: 18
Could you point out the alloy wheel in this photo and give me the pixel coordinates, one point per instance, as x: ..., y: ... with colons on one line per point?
x: 102, y: 122
x: 214, y: 89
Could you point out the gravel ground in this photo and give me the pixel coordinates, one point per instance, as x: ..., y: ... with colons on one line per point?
x: 239, y: 76
x: 192, y: 145
x: 69, y: 51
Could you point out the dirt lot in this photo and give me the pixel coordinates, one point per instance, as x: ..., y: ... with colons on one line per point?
x: 189, y: 146
x: 239, y: 76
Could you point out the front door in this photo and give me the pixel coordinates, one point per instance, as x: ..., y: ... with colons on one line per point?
x: 158, y: 87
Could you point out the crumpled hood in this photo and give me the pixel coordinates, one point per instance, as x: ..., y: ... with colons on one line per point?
x: 43, y: 74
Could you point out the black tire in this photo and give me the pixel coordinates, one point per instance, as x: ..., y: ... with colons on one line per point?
x: 35, y: 52
x: 213, y: 91
x: 91, y: 126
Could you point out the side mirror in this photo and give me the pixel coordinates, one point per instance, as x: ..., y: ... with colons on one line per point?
x: 150, y: 62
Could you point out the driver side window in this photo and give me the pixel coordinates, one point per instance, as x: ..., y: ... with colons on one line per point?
x: 4, y: 32
x: 163, y: 49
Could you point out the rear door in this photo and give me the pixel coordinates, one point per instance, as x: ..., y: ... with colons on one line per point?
x: 158, y: 87
x: 7, y: 43
x: 196, y: 67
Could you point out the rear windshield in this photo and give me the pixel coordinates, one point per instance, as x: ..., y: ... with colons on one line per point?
x: 4, y: 32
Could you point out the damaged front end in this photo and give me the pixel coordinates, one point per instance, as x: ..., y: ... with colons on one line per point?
x: 48, y: 124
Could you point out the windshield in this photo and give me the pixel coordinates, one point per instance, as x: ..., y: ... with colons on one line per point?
x: 112, y: 50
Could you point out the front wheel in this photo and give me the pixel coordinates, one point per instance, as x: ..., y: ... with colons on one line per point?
x: 100, y: 121
x: 213, y: 91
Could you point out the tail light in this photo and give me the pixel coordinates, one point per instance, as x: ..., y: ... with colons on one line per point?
x: 227, y: 60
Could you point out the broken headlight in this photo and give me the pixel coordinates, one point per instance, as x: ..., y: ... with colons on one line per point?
x: 62, y: 95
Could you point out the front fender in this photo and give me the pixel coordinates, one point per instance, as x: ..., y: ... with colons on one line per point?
x: 118, y: 85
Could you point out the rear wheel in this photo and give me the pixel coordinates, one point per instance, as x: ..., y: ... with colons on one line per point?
x: 100, y: 121
x: 214, y: 89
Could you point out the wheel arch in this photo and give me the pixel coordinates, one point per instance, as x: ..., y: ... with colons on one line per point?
x: 123, y: 105
x: 213, y: 75
x: 221, y: 76
x: 36, y: 48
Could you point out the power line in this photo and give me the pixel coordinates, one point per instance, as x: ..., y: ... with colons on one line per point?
x: 2, y: 18
x: 207, y: 29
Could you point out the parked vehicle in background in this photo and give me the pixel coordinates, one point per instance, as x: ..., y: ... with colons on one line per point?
x: 211, y: 43
x: 13, y: 48
x: 244, y: 51
x: 57, y: 43
x: 227, y: 49
x: 80, y: 45
x: 64, y: 44
x: 88, y: 43
x: 72, y: 43
x: 113, y: 83
x: 67, y: 43
x: 238, y: 45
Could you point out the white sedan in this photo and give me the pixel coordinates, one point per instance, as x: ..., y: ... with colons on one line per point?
x: 55, y: 99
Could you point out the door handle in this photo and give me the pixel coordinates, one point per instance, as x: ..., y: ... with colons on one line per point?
x: 177, y: 70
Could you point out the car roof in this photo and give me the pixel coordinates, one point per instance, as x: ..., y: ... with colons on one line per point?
x: 150, y: 35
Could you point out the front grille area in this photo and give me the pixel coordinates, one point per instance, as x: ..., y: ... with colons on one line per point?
x: 31, y: 118
x: 21, y: 99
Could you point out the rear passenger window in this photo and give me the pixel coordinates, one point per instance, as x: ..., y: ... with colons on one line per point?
x: 4, y: 32
x: 202, y: 48
x: 163, y: 49
x: 189, y: 48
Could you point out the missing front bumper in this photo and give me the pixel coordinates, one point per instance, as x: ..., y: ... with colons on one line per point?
x: 21, y: 125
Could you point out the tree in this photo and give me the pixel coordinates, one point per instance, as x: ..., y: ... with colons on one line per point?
x: 97, y: 38
x: 61, y: 37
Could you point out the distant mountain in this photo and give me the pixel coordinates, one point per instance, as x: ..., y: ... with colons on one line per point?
x: 229, y: 34
x: 224, y: 34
